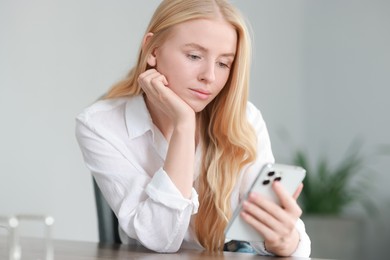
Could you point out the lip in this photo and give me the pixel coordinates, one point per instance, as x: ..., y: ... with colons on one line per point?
x: 200, y: 93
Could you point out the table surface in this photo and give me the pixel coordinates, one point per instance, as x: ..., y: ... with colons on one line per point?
x: 33, y: 248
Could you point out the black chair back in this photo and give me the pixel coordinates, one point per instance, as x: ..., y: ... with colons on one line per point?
x: 107, y: 221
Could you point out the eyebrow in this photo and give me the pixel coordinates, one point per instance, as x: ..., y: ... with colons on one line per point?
x: 201, y: 48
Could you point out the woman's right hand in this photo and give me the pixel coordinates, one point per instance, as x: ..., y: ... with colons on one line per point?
x: 156, y: 88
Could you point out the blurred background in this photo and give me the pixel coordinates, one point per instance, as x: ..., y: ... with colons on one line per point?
x: 320, y: 76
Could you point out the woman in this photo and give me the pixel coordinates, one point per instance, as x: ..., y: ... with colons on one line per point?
x: 175, y: 145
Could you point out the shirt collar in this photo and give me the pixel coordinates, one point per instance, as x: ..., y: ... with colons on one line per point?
x: 138, y: 120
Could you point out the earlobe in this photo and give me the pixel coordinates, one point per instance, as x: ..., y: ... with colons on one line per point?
x: 151, y: 60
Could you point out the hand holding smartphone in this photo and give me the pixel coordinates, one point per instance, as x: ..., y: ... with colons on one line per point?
x: 288, y: 175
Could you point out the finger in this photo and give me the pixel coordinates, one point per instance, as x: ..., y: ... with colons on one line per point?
x: 144, y: 75
x: 152, y: 82
x: 287, y: 201
x: 265, y: 223
x: 154, y: 74
x: 298, y: 191
x: 276, y: 214
x: 270, y: 235
x: 148, y: 76
x: 161, y: 91
x: 158, y: 80
x: 252, y: 219
x: 259, y: 214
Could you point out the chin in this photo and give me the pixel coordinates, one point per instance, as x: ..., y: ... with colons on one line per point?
x: 198, y: 108
x: 196, y: 105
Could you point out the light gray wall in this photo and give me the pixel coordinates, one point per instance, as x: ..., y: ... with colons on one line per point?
x: 320, y: 73
x: 347, y: 89
x: 278, y: 71
x: 56, y: 57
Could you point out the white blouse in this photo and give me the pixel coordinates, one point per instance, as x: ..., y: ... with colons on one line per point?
x: 125, y: 153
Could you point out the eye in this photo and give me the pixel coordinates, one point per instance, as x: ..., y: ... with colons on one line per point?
x: 193, y: 57
x: 223, y: 65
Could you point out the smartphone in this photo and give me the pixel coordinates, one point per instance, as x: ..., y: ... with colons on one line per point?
x: 289, y: 176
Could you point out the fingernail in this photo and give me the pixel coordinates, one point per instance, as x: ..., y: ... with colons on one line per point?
x: 253, y: 195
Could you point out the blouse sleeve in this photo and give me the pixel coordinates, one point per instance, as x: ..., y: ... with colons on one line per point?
x: 149, y: 208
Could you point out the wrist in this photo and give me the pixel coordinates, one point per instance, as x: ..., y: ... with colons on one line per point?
x: 285, y: 246
x: 186, y: 125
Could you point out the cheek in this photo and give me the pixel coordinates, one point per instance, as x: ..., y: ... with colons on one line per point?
x: 173, y: 69
x: 173, y: 76
x: 221, y: 82
x: 218, y: 91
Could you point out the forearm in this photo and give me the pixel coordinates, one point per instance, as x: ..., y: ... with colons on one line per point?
x: 179, y: 163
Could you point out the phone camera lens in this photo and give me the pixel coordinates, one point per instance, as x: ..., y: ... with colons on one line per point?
x: 278, y: 179
x: 265, y: 182
x: 271, y: 173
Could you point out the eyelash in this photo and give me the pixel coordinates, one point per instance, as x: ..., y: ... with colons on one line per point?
x: 223, y: 65
x: 197, y: 57
x: 193, y: 57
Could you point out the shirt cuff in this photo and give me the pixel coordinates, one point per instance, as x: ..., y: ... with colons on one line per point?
x: 162, y: 190
x: 259, y: 247
x: 304, y: 246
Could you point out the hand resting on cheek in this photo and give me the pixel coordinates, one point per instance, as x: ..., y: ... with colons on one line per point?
x: 156, y: 88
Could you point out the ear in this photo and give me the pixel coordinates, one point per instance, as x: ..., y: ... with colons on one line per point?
x: 151, y: 59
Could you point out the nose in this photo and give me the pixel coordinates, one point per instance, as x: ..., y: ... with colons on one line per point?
x: 207, y: 72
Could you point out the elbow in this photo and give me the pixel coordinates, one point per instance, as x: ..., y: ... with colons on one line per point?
x: 166, y: 238
x: 158, y: 243
x: 170, y: 250
x: 160, y: 247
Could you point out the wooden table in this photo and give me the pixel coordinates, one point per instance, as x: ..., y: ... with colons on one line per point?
x: 33, y: 248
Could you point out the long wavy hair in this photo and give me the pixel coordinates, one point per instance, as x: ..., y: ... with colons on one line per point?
x: 228, y: 140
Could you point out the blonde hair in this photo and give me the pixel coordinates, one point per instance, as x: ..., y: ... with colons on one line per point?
x: 228, y: 139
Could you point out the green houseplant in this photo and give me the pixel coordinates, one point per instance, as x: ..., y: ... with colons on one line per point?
x: 328, y: 189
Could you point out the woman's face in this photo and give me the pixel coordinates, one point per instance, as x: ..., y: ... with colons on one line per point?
x: 196, y: 59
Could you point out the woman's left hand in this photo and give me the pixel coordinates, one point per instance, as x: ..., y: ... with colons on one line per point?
x: 275, y: 223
